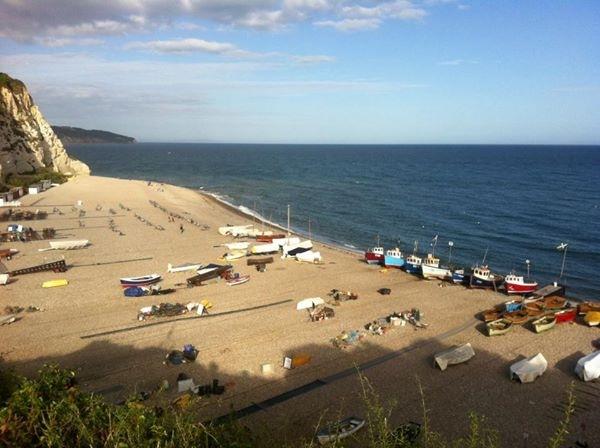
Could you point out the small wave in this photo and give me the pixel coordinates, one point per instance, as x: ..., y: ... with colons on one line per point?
x: 350, y: 246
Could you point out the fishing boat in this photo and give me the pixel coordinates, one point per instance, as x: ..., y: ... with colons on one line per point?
x: 393, y: 258
x: 517, y: 317
x: 234, y: 255
x: 482, y: 277
x: 55, y: 283
x: 430, y: 268
x: 237, y: 279
x: 183, y: 267
x: 498, y: 327
x: 544, y: 323
x: 564, y: 316
x: 309, y: 256
x: 340, y: 430
x: 412, y: 263
x: 375, y: 254
x: 517, y: 284
x: 459, y: 277
x: 242, y: 245
x: 8, y: 253
x: 265, y: 248
x: 144, y: 280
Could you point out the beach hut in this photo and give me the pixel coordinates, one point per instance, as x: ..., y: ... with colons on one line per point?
x: 17, y: 192
x: 46, y: 183
x: 7, y: 196
x: 35, y: 189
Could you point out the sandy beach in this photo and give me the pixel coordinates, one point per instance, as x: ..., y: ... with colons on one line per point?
x: 90, y: 326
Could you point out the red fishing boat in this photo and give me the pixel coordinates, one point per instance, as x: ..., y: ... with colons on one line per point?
x: 374, y: 255
x: 567, y: 315
x: 517, y: 284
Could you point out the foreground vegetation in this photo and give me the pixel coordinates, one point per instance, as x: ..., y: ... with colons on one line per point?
x: 51, y: 411
x: 27, y: 179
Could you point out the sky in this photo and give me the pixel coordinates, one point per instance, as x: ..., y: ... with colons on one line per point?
x: 312, y: 71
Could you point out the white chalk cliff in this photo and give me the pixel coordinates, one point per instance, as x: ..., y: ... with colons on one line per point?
x: 27, y: 141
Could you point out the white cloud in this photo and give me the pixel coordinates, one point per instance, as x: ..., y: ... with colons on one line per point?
x: 350, y: 24
x: 189, y: 46
x: 399, y: 9
x: 312, y: 59
x: 57, y: 42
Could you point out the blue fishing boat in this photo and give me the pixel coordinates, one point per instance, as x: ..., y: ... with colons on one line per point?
x: 482, y: 277
x: 459, y: 277
x: 412, y: 264
x: 393, y: 258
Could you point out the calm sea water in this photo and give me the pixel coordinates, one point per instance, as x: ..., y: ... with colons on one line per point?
x: 519, y: 202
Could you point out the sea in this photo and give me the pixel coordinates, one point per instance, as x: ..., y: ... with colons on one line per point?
x: 508, y: 204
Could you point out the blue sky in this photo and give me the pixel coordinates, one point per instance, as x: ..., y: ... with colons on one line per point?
x: 312, y: 71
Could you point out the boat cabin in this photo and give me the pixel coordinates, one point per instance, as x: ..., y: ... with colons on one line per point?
x: 482, y: 272
x: 431, y: 261
x: 413, y: 259
x: 513, y: 278
x: 396, y: 253
x: 376, y: 250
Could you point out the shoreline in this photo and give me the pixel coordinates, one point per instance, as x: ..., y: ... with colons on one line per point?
x: 94, y: 329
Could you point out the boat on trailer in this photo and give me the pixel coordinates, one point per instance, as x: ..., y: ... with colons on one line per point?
x: 143, y: 280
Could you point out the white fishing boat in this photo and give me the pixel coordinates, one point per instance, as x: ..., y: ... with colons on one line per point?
x: 309, y: 256
x: 431, y: 269
x: 144, y: 280
x: 183, y: 267
x: 66, y: 245
x: 228, y: 230
x: 265, y: 248
x: 237, y: 246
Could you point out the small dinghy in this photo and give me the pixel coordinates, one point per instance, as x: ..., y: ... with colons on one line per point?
x: 237, y: 279
x: 237, y: 246
x: 490, y: 315
x: 498, y: 327
x: 582, y: 308
x: 183, y: 267
x: 309, y: 256
x: 145, y: 280
x: 517, y: 317
x: 554, y: 302
x: 564, y: 316
x: 340, y: 430
x: 544, y: 323
x: 228, y: 230
x: 234, y: 255
x: 534, y: 309
x: 66, y: 245
x: 592, y: 318
x: 265, y: 248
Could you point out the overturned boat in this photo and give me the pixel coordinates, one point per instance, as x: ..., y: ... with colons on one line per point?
x: 66, y: 245
x: 208, y: 272
x: 293, y: 250
x: 229, y: 230
x: 243, y: 245
x: 309, y: 256
x: 183, y: 267
x: 529, y: 369
x: 265, y: 249
x: 340, y: 430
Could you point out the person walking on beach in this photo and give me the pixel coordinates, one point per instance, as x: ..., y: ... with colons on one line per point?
x: 181, y: 228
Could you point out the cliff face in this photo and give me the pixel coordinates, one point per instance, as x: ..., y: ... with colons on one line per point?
x: 27, y: 142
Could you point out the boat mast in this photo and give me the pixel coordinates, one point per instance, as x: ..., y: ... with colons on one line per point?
x: 527, y: 263
x: 288, y: 223
x: 433, y: 246
x: 309, y: 234
x: 416, y: 247
x: 563, y: 247
x: 450, y: 245
x: 485, y: 256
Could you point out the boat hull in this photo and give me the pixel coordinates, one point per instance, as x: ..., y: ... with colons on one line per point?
x: 140, y: 281
x: 393, y: 262
x: 373, y: 258
x: 478, y: 282
x: 434, y: 272
x: 411, y: 268
x: 520, y: 288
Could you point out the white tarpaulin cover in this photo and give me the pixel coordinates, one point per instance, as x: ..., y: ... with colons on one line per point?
x: 309, y: 303
x: 528, y: 369
x: 454, y: 355
x: 588, y: 367
x: 309, y: 256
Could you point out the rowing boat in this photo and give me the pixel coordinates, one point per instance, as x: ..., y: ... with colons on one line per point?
x: 498, y: 327
x: 242, y: 245
x: 564, y: 316
x: 234, y: 255
x: 517, y: 317
x: 144, y: 280
x: 340, y: 430
x: 544, y: 323
x: 183, y: 267
x: 237, y: 279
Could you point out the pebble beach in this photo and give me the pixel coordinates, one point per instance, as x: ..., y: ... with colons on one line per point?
x: 91, y: 327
